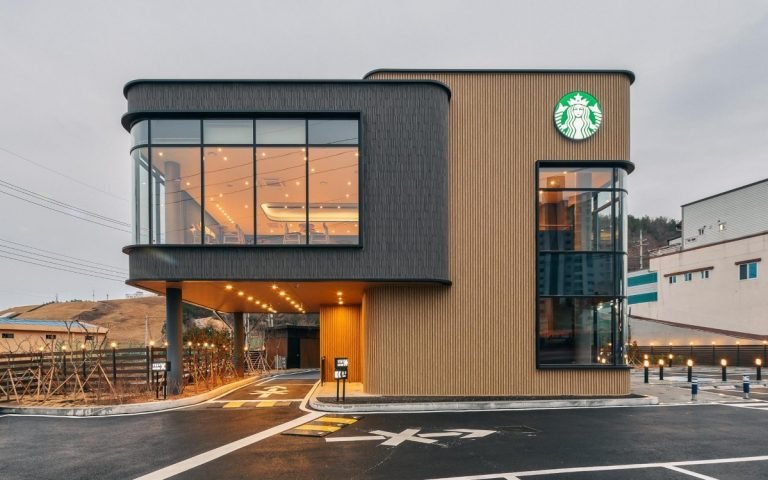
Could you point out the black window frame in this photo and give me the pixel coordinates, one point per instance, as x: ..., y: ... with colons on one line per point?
x: 8, y: 335
x: 618, y: 232
x: 252, y: 116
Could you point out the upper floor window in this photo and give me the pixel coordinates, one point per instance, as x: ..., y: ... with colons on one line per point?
x: 705, y: 274
x: 264, y: 181
x: 747, y: 271
x: 688, y: 276
x: 672, y: 279
x: 7, y: 335
x: 50, y: 337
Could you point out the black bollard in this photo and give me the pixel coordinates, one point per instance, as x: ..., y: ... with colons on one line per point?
x: 645, y: 371
x: 724, y: 364
x: 759, y: 365
x: 690, y: 371
x: 661, y: 369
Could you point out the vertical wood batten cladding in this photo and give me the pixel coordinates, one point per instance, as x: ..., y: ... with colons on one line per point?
x: 340, y: 337
x: 477, y: 337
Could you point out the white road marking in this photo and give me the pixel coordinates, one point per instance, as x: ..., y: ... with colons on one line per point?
x: 472, y: 433
x: 407, y: 435
x: 603, y: 468
x: 211, y: 455
x: 688, y: 472
x: 354, y: 439
x: 255, y: 401
x: 269, y: 391
x: 440, y: 434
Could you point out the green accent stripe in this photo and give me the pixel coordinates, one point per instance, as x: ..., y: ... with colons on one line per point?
x: 642, y: 298
x: 644, y: 279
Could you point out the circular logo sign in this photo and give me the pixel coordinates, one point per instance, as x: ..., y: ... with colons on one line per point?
x: 578, y: 115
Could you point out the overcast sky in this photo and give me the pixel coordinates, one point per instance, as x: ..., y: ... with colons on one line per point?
x: 698, y: 108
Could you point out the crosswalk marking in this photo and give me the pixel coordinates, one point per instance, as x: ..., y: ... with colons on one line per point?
x: 347, y: 421
x: 266, y: 403
x: 321, y: 428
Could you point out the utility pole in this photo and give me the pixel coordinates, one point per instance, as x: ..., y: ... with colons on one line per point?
x: 642, y: 243
x: 146, y: 329
x: 93, y: 295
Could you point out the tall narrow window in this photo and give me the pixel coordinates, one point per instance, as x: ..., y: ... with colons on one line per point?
x: 281, y: 195
x: 581, y: 245
x: 176, y: 196
x: 229, y: 195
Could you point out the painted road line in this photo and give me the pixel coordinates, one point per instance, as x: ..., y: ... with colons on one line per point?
x: 219, y: 452
x: 690, y: 473
x: 233, y: 404
x: 354, y: 439
x: 319, y: 428
x: 347, y: 421
x: 440, y: 434
x: 322, y: 426
x: 255, y: 401
x: 606, y: 468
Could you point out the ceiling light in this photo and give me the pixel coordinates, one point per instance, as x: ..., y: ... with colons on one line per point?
x: 221, y: 195
x: 339, y: 293
x: 229, y: 287
x: 240, y: 293
x: 246, y: 205
x: 312, y: 170
x: 263, y: 154
x: 160, y: 153
x: 298, y: 183
x: 282, y: 293
x: 188, y: 184
x: 250, y: 298
x: 349, y: 183
x: 225, y: 159
x: 247, y: 182
x: 274, y: 287
x: 219, y: 149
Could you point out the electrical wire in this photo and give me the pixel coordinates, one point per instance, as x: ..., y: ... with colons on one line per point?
x: 79, y: 265
x: 65, y: 213
x: 62, y: 269
x: 61, y: 254
x: 62, y: 174
x: 2, y: 250
x: 30, y: 193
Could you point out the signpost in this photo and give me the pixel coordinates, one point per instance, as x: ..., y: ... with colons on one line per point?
x: 341, y: 364
x: 163, y: 367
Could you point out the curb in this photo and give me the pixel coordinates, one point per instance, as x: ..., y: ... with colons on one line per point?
x: 131, y: 408
x: 492, y: 405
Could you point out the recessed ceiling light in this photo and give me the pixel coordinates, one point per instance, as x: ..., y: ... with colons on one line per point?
x: 282, y: 293
x: 229, y: 287
x: 160, y: 153
x: 188, y: 184
x: 219, y: 149
x: 241, y: 293
x: 250, y: 298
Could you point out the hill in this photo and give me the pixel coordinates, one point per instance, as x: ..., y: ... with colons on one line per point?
x: 125, y: 319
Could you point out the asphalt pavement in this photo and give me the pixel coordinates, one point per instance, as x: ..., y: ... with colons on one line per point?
x: 239, y: 436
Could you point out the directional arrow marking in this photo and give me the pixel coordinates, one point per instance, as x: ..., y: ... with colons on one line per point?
x: 275, y: 390
x: 472, y: 433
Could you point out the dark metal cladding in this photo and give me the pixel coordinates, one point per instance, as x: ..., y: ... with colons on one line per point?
x: 403, y: 180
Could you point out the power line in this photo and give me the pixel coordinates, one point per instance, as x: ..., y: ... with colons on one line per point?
x: 62, y: 269
x: 26, y: 191
x: 65, y: 213
x: 61, y: 254
x: 116, y: 276
x: 92, y: 267
x: 62, y: 174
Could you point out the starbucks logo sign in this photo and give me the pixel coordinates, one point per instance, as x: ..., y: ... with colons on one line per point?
x: 578, y: 115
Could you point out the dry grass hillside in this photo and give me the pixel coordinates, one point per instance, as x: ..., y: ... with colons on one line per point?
x: 123, y: 318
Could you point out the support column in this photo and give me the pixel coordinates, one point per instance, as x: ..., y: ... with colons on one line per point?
x: 173, y: 331
x: 238, y: 343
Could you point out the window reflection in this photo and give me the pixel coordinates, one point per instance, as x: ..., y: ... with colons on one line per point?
x: 573, y: 220
x: 281, y: 132
x: 576, y: 331
x: 333, y: 195
x: 333, y: 132
x: 140, y: 133
x: 140, y: 195
x: 281, y: 195
x: 229, y: 195
x: 180, y: 132
x: 176, y: 195
x: 572, y: 177
x: 228, y: 132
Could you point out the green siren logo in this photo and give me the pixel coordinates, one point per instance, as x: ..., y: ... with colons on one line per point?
x: 578, y: 115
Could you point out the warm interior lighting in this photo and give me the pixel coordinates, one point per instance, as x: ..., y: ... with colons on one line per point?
x: 228, y: 287
x: 240, y: 293
x: 282, y: 293
x: 151, y: 343
x: 250, y: 298
x: 274, y: 287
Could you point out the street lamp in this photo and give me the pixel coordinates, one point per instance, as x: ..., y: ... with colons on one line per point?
x: 690, y: 370
x: 661, y: 369
x: 724, y: 364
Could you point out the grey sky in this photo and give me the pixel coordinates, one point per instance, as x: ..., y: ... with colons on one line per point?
x: 698, y: 106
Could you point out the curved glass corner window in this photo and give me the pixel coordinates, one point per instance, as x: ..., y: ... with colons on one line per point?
x: 206, y: 182
x: 140, y: 175
x: 140, y: 133
x: 175, y: 132
x: 581, y: 250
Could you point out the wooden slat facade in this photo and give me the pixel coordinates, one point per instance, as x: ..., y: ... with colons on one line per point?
x: 340, y: 337
x: 477, y: 337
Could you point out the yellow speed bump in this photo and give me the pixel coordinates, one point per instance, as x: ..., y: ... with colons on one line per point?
x: 321, y: 428
x: 233, y: 405
x: 345, y: 421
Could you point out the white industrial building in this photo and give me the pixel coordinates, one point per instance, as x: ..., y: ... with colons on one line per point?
x: 708, y: 286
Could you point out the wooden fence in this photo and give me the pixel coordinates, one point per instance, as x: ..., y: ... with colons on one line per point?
x: 104, y: 374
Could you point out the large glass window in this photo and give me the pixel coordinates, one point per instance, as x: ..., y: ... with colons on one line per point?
x: 262, y: 181
x: 581, y: 251
x: 229, y: 195
x: 176, y: 196
x: 333, y: 196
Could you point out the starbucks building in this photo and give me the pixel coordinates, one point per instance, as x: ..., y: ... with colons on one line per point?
x: 459, y: 232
